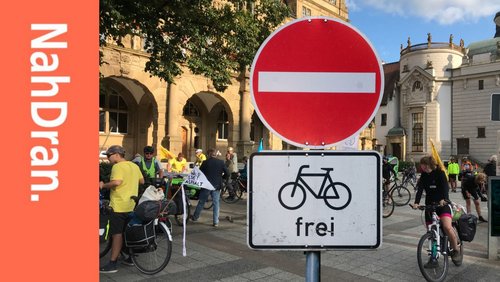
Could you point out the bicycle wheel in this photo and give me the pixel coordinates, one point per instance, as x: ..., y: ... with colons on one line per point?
x: 432, y: 264
x: 292, y: 195
x: 208, y: 203
x: 388, y: 206
x: 155, y: 257
x: 104, y: 245
x: 401, y: 195
x: 337, y: 195
x: 228, y: 193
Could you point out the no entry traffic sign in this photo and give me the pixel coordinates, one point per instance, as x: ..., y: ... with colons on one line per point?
x: 316, y: 82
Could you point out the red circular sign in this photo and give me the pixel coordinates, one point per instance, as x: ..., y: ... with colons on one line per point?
x: 315, y: 82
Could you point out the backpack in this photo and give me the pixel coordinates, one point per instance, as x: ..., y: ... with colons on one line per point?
x: 148, y: 210
x: 467, y: 227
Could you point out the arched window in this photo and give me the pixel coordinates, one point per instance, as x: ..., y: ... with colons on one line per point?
x: 222, y: 125
x: 190, y: 110
x: 417, y: 85
x: 417, y: 132
x: 113, y: 113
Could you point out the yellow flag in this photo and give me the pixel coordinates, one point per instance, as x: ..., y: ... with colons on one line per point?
x: 165, y: 154
x: 435, y: 155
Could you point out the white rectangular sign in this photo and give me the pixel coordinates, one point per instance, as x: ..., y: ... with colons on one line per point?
x: 314, y: 200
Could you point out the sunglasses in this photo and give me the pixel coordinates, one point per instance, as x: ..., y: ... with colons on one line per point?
x: 109, y: 155
x: 148, y: 153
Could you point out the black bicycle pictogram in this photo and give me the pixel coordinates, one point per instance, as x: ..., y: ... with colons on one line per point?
x: 292, y: 195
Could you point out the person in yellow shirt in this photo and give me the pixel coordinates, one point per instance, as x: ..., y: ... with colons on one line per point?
x: 453, y: 171
x: 200, y: 157
x: 124, y: 183
x: 179, y: 164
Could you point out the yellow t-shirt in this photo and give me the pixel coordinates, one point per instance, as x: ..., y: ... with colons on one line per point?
x: 200, y: 159
x: 177, y: 165
x: 120, y: 195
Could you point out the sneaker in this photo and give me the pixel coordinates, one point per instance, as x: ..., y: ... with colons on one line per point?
x: 481, y: 219
x: 191, y: 217
x: 128, y: 261
x: 215, y: 225
x: 230, y: 198
x: 109, y: 268
x: 456, y: 257
x: 432, y: 263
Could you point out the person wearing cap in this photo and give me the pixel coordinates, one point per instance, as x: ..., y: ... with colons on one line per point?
x: 124, y: 183
x: 200, y: 157
x: 149, y: 165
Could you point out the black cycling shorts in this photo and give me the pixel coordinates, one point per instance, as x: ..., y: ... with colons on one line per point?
x: 472, y: 191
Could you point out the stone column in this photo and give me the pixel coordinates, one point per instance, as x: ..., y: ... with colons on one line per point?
x: 172, y: 140
x: 245, y: 145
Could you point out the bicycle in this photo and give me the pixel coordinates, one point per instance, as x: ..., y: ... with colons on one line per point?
x: 434, y: 248
x: 149, y: 245
x: 233, y: 191
x: 410, y: 178
x: 387, y: 204
x: 333, y: 199
x: 400, y: 194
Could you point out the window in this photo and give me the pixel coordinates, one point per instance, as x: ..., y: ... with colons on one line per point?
x: 222, y: 125
x: 333, y: 2
x: 190, y: 110
x: 417, y: 142
x: 383, y: 122
x: 481, y: 132
x: 306, y: 12
x: 417, y: 86
x: 481, y: 84
x: 113, y: 113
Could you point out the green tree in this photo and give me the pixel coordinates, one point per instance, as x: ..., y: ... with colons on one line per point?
x: 212, y: 38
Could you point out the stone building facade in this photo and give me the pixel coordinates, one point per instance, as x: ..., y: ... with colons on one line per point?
x: 443, y: 93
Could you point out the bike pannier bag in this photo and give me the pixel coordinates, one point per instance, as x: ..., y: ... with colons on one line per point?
x: 139, y: 235
x: 148, y: 210
x: 467, y: 227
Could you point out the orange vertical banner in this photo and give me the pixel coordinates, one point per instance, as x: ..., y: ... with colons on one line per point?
x: 49, y: 140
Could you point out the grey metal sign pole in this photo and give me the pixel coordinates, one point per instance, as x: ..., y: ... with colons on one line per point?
x: 313, y: 266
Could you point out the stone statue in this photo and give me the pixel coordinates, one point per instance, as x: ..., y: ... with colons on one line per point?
x: 401, y: 47
x: 451, y: 39
x: 429, y: 38
x: 409, y: 42
x: 461, y: 43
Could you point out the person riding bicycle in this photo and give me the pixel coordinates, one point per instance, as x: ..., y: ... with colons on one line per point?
x: 433, y: 181
x: 124, y: 183
x: 150, y: 167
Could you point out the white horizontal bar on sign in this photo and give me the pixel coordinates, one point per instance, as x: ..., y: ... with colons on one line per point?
x: 323, y: 82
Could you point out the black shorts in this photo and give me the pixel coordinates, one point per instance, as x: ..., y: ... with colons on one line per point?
x: 452, y: 176
x: 472, y: 191
x: 117, y: 222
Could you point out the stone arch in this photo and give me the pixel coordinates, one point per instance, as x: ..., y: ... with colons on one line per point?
x: 141, y: 115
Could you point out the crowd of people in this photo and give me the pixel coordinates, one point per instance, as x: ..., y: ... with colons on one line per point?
x: 130, y: 178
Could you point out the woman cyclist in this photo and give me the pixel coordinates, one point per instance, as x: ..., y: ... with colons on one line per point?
x: 433, y: 181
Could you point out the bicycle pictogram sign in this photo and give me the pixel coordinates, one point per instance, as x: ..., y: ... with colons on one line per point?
x: 292, y: 195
